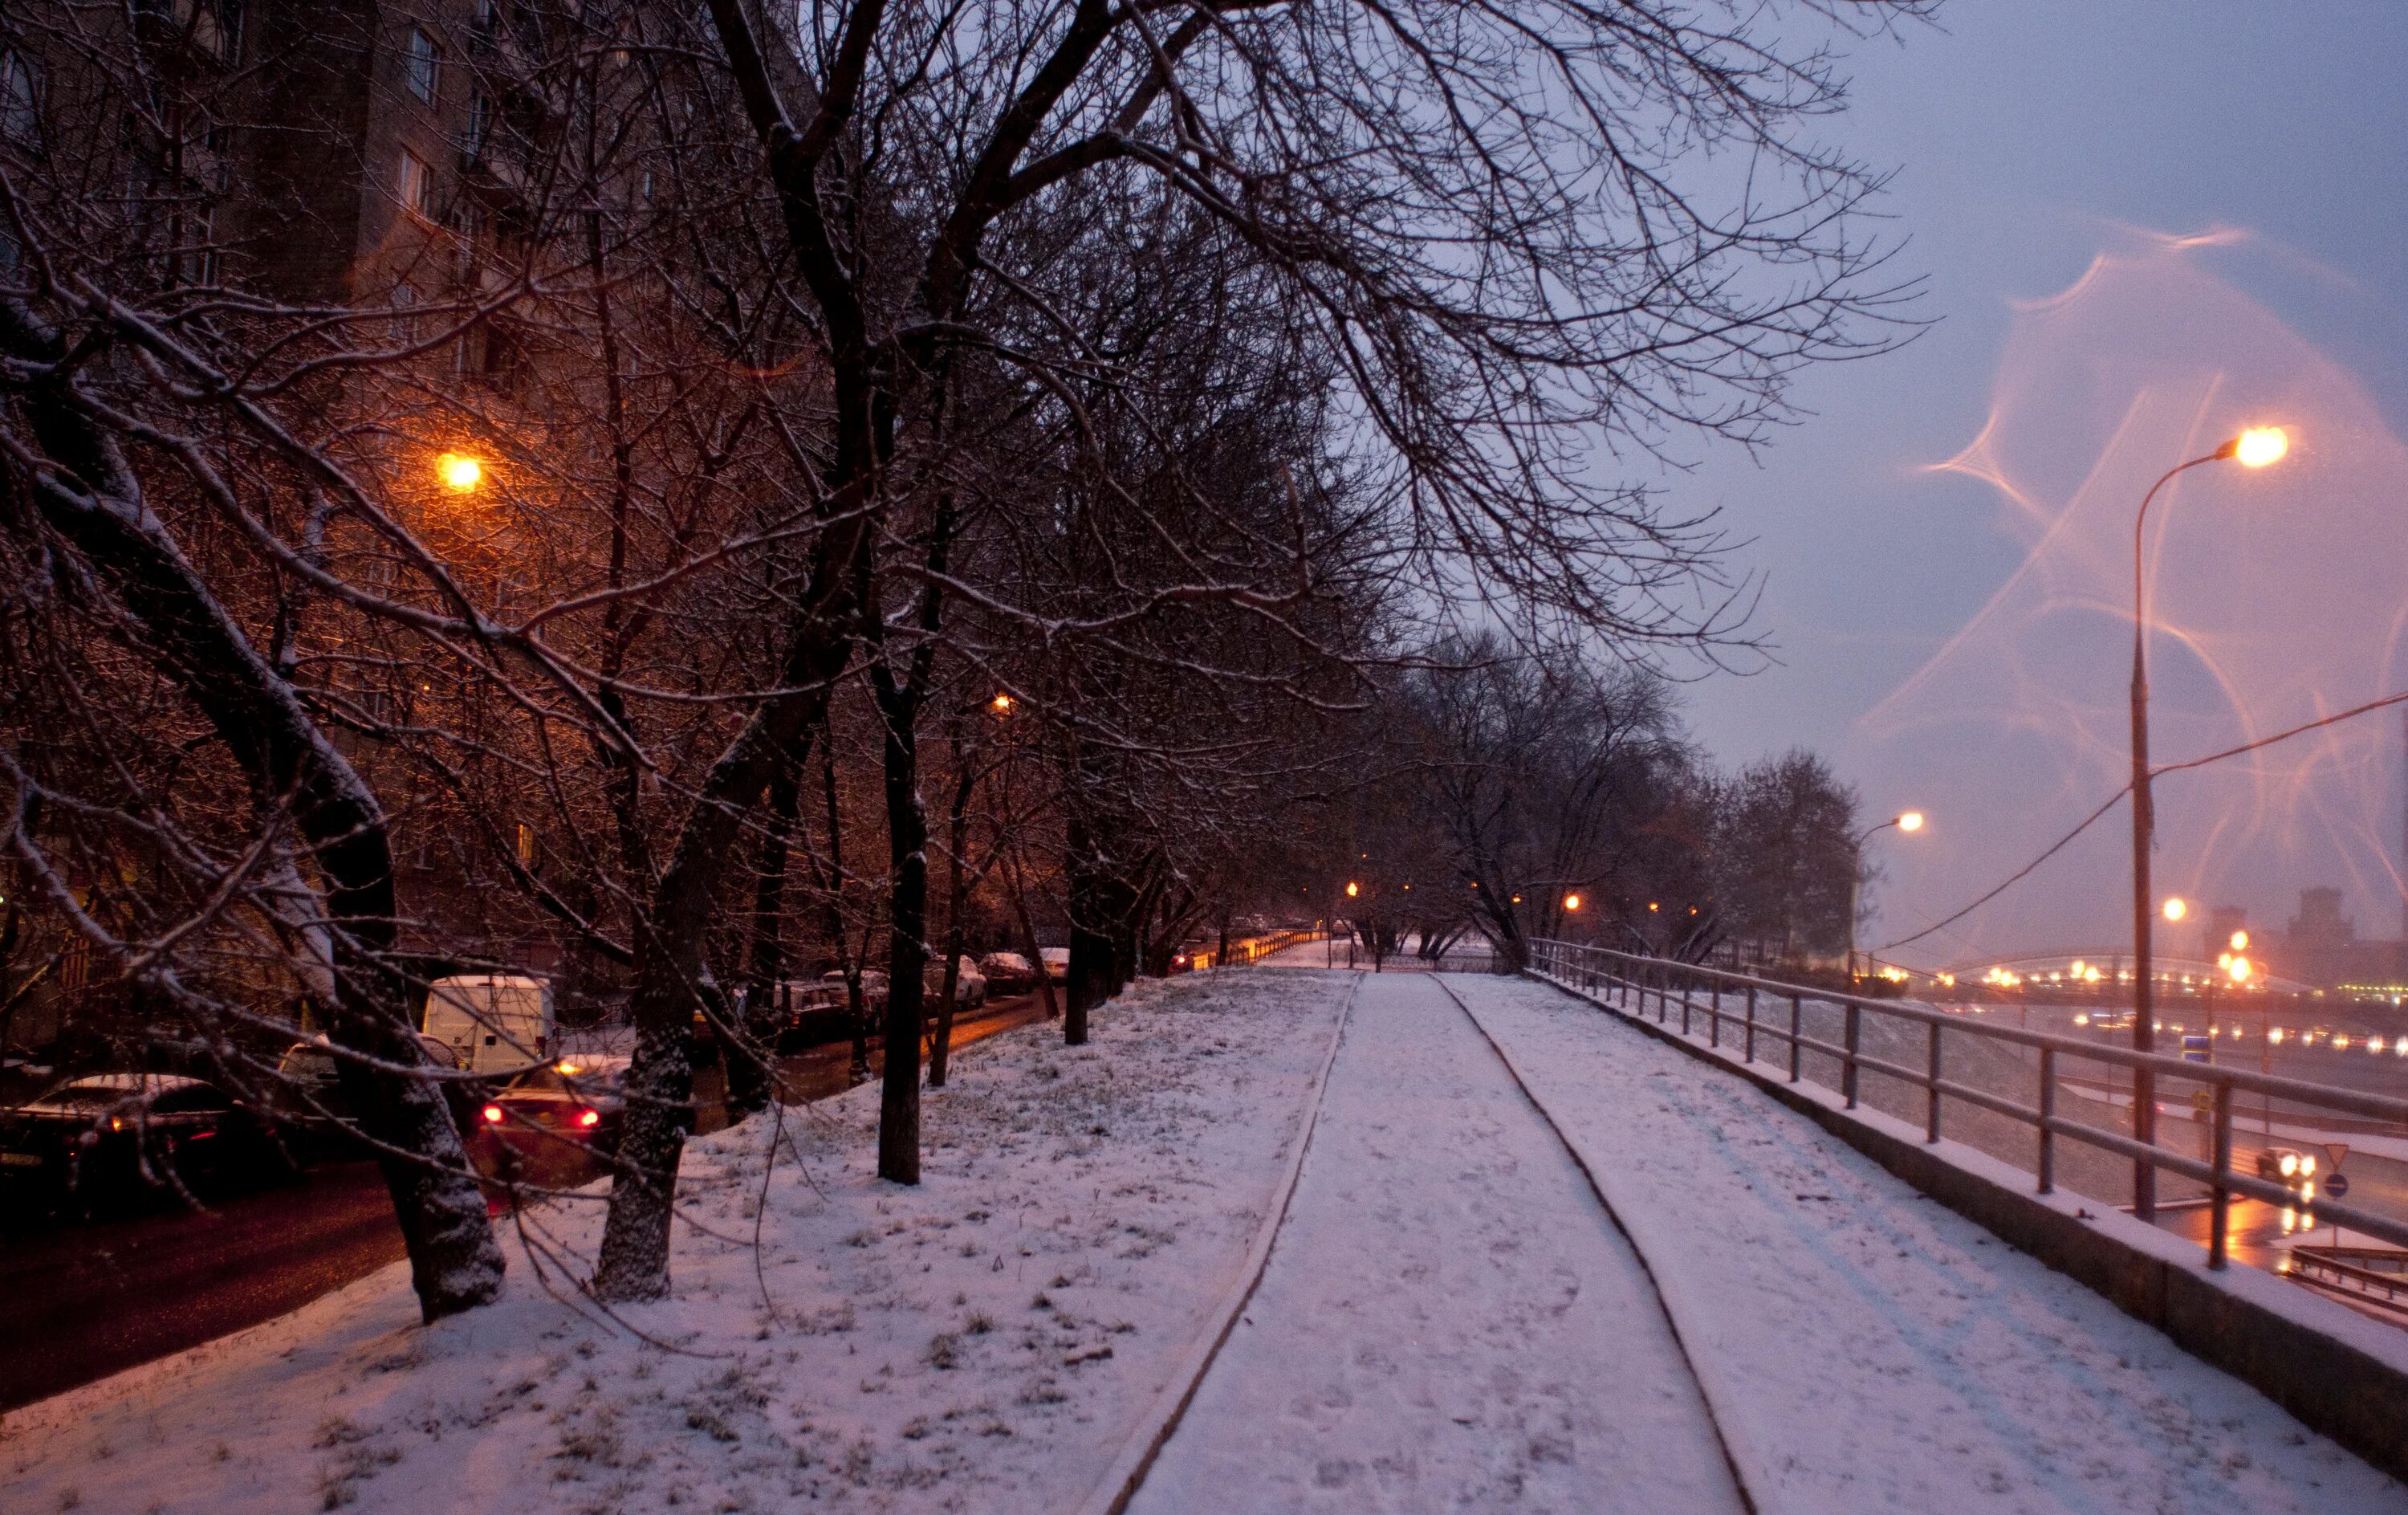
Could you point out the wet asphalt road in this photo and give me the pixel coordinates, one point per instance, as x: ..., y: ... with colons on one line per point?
x: 82, y: 1302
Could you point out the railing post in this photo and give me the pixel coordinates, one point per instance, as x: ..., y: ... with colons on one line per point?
x: 1848, y: 1062
x: 1793, y: 1038
x: 1684, y: 1003
x: 1749, y: 1054
x: 2221, y: 1201
x: 2047, y: 1161
x: 1931, y: 1090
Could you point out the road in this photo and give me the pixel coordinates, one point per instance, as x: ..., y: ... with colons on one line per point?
x: 79, y: 1303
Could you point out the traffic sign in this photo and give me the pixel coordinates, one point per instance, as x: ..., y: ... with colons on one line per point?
x: 2199, y: 1102
x: 2337, y: 1185
x: 2336, y: 1150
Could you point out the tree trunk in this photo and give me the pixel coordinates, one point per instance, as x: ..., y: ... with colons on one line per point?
x: 746, y: 1062
x: 956, y: 899
x: 671, y: 934
x: 96, y: 502
x: 907, y: 945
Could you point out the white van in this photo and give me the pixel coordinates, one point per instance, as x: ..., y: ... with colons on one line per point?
x: 494, y: 1022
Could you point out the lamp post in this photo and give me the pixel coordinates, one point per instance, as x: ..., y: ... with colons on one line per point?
x: 2253, y: 448
x: 1909, y: 821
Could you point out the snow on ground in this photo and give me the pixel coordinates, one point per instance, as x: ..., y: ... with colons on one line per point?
x: 986, y: 1341
x: 1867, y: 1349
x: 1449, y: 1320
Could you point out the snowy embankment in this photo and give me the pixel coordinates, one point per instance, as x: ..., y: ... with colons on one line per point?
x: 988, y: 1340
x: 1863, y: 1348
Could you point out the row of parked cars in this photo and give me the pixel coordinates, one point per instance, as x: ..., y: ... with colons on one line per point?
x: 103, y: 1140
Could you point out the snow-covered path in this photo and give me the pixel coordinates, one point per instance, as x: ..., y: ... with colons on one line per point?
x: 1450, y: 1320
x: 1866, y: 1349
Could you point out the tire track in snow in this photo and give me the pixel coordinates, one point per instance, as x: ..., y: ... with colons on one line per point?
x: 1128, y: 1470
x: 1748, y: 1471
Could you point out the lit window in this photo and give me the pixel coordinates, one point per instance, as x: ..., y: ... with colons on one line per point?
x: 20, y: 99
x: 416, y: 183
x: 422, y: 65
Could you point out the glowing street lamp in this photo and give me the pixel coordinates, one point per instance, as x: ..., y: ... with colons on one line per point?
x: 1573, y: 904
x: 2176, y: 908
x: 1909, y: 821
x: 2239, y: 941
x: 1353, y: 890
x: 2253, y: 448
x: 459, y: 473
x: 2240, y: 969
x: 1000, y: 704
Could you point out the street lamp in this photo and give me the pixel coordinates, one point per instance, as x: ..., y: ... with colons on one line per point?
x: 2253, y: 448
x: 1909, y: 821
x: 1573, y: 904
x: 459, y: 473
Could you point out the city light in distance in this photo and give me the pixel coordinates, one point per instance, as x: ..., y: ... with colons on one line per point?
x: 1572, y: 901
x: 1000, y: 704
x: 2238, y: 940
x: 1352, y: 888
x: 1910, y: 821
x: 2240, y: 969
x: 459, y: 473
x: 2176, y: 908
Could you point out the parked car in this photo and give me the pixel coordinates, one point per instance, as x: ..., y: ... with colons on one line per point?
x: 114, y: 1138
x: 969, y: 984
x: 1058, y: 964
x: 810, y: 1011
x: 1008, y: 973
x: 314, y: 1106
x: 578, y: 1099
x: 2289, y: 1167
x: 873, y: 989
x: 493, y: 1022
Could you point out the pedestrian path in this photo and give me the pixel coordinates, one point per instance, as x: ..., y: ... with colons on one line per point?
x: 1865, y: 1349
x: 1450, y: 1320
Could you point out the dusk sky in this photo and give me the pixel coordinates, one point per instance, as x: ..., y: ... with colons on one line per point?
x: 2142, y: 225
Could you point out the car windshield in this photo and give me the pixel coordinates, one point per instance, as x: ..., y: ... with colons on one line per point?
x: 85, y: 1097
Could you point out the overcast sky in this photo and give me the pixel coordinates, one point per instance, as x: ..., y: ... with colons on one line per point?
x: 2141, y: 224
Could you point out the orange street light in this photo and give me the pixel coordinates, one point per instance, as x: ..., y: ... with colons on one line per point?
x: 2240, y: 969
x: 459, y: 473
x: 1000, y: 704
x: 2260, y: 445
x: 1353, y: 890
x: 2239, y: 941
x: 2254, y: 448
x: 1572, y: 901
x: 1910, y: 821
x: 2176, y: 908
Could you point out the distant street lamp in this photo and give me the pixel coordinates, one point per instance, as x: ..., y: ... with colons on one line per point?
x: 1909, y: 821
x: 1573, y: 904
x: 1353, y: 890
x: 2176, y: 908
x: 2253, y: 448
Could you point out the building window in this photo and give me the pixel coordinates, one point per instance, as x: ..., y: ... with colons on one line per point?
x: 480, y: 121
x: 417, y: 185
x: 422, y: 65
x: 404, y: 315
x: 209, y: 24
x: 20, y: 99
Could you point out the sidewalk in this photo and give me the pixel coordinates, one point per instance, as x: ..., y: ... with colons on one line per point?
x: 1449, y: 1320
x: 1866, y: 1349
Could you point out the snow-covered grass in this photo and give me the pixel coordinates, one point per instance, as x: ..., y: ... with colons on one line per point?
x: 986, y: 1341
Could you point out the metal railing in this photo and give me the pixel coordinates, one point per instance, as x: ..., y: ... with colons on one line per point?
x: 2359, y: 1272
x: 1632, y: 981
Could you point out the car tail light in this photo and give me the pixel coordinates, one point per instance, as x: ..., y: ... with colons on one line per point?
x: 492, y: 1114
x: 589, y: 1117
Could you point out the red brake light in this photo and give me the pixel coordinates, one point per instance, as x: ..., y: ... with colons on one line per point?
x: 589, y: 1118
x: 494, y: 1114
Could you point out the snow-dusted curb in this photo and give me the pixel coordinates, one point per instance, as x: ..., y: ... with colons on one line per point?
x: 2337, y: 1371
x: 1128, y: 1470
